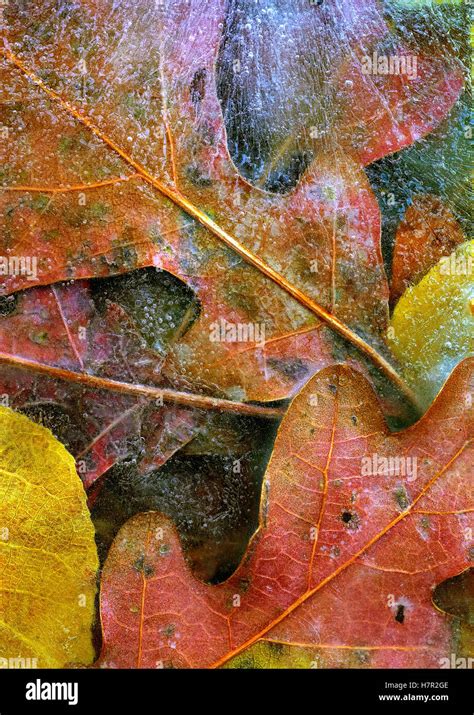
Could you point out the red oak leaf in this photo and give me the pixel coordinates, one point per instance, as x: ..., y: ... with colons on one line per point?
x: 134, y: 171
x: 357, y: 526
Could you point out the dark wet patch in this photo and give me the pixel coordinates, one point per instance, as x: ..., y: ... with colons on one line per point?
x: 143, y: 567
x: 244, y: 585
x: 401, y: 497
x: 169, y: 630
x: 362, y: 657
x: 295, y: 368
x: 197, y: 87
x: 162, y: 307
x: 197, y: 176
x: 8, y: 304
x: 55, y: 418
x: 456, y: 595
x: 40, y: 338
x: 275, y: 648
x: 245, y: 663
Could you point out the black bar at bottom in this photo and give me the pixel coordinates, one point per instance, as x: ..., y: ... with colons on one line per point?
x: 149, y: 691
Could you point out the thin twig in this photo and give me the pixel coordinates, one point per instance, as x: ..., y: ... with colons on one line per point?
x: 187, y: 399
x: 72, y: 187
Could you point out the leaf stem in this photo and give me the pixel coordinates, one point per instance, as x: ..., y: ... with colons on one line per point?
x: 187, y: 399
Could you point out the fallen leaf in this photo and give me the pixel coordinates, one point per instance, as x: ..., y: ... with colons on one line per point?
x: 428, y: 232
x: 48, y: 553
x: 132, y: 135
x: 431, y: 329
x: 78, y: 328
x: 320, y: 50
x: 343, y: 565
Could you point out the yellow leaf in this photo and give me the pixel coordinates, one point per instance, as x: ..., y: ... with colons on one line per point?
x: 48, y: 557
x: 432, y: 326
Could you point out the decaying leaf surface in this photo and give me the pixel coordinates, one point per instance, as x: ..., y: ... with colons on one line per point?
x: 154, y: 126
x: 85, y: 329
x: 368, y: 113
x: 348, y: 551
x: 47, y: 552
x: 432, y: 326
x: 428, y: 232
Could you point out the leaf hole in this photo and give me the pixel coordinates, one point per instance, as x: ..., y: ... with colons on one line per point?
x: 400, y: 614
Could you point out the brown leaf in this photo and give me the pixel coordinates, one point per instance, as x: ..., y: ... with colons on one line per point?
x: 131, y: 135
x: 428, y: 232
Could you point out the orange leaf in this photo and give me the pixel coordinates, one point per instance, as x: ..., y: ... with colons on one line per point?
x: 133, y: 170
x: 357, y: 526
x: 428, y: 232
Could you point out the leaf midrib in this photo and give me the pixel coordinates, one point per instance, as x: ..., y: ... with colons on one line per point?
x: 310, y: 592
